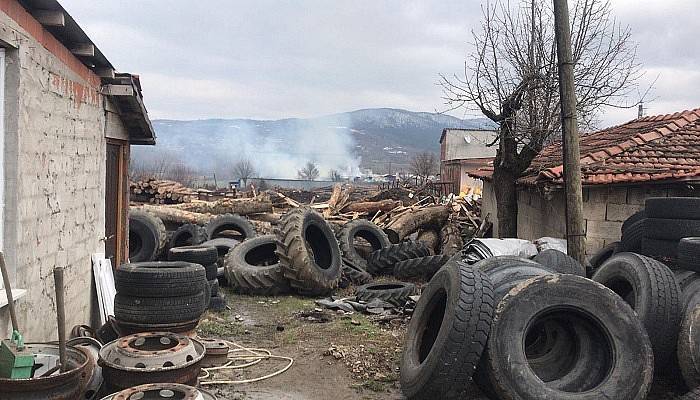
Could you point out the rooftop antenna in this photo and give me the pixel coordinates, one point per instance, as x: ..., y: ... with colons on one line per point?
x: 640, y: 112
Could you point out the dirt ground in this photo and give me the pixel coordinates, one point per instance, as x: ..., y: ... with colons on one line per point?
x: 336, y: 356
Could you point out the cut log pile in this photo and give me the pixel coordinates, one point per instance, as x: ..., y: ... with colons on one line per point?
x: 159, y: 191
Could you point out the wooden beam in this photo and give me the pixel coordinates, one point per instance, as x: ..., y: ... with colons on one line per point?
x: 117, y: 90
x: 50, y: 17
x: 83, y: 49
x: 104, y: 72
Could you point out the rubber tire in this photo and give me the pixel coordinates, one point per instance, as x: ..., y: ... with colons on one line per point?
x: 354, y: 274
x: 691, y: 395
x: 420, y: 268
x: 198, y: 254
x: 396, y: 293
x: 461, y: 335
x: 366, y: 230
x: 299, y: 256
x: 214, y: 287
x: 560, y: 262
x: 651, y: 289
x: 671, y: 229
x: 673, y: 207
x: 689, y: 254
x: 689, y: 283
x: 246, y: 277
x: 188, y: 235
x: 659, y: 248
x: 506, y: 272
x: 382, y: 262
x: 632, y: 219
x: 450, y: 240
x: 160, y: 310
x: 628, y: 378
x: 151, y: 233
x: 233, y: 222
x: 604, y: 254
x: 632, y: 237
x: 689, y: 348
x: 159, y: 279
x: 222, y: 245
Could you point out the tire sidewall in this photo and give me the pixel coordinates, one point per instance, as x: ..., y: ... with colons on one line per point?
x: 331, y: 273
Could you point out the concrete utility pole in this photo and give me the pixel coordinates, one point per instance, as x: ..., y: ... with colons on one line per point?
x: 575, y: 229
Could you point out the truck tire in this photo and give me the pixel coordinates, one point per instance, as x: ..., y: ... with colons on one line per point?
x: 362, y: 229
x: 253, y: 267
x: 147, y: 236
x: 604, y: 254
x: 560, y: 262
x: 689, y: 254
x: 632, y: 219
x: 160, y: 310
x: 447, y: 334
x: 673, y: 207
x: 650, y: 288
x: 450, y: 240
x: 671, y: 229
x: 689, y: 348
x: 659, y: 248
x: 506, y: 272
x: 632, y: 236
x: 188, y: 235
x: 230, y: 222
x: 159, y: 279
x: 382, y: 262
x: 420, y: 268
x: 611, y: 355
x: 689, y: 283
x: 396, y: 293
x: 309, y: 253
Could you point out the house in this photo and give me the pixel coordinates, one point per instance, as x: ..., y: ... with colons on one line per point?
x: 67, y: 121
x: 621, y: 167
x: 463, y: 151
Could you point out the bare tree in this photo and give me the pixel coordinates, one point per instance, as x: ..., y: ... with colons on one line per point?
x: 309, y: 172
x: 334, y: 175
x: 511, y: 78
x: 424, y: 164
x: 244, y: 169
x: 181, y: 173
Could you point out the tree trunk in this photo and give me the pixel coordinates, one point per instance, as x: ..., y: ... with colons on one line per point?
x: 504, y: 182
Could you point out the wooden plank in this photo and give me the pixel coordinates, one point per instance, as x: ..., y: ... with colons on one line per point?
x: 83, y: 49
x: 50, y: 17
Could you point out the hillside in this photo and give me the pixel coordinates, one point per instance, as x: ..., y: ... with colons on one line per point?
x: 370, y: 138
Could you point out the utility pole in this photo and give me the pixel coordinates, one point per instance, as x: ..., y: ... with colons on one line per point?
x: 575, y: 229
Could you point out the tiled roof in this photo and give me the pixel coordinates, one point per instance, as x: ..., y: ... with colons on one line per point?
x: 655, y: 148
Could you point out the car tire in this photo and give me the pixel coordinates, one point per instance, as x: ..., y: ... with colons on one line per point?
x: 159, y: 279
x: 160, y: 310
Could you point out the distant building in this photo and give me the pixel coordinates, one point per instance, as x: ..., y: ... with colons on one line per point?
x: 463, y: 151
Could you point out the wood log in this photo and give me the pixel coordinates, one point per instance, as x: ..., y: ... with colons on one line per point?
x: 371, y: 207
x: 272, y: 218
x: 228, y: 206
x: 171, y: 214
x: 411, y: 222
x: 431, y: 238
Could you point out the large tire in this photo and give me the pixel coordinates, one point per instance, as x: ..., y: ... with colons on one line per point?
x: 253, y: 267
x: 159, y: 279
x: 450, y: 240
x: 396, y: 293
x: 632, y: 236
x: 689, y: 283
x: 604, y: 254
x: 354, y: 274
x: 420, y: 268
x: 506, y: 272
x: 382, y: 262
x: 160, y: 310
x: 610, y: 356
x: 659, y: 248
x: 147, y: 236
x: 188, y: 235
x: 671, y: 229
x: 650, y: 288
x: 560, y: 262
x: 363, y: 229
x: 447, y: 334
x: 632, y: 219
x: 689, y: 348
x: 673, y: 207
x: 689, y: 254
x: 230, y: 222
x: 205, y: 256
x: 223, y: 246
x: 309, y: 253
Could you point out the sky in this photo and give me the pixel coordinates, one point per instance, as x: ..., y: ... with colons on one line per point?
x: 303, y: 58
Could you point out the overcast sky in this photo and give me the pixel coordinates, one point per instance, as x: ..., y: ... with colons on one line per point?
x: 276, y: 59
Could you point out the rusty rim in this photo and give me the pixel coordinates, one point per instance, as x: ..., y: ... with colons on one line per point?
x: 170, y: 391
x: 152, y: 351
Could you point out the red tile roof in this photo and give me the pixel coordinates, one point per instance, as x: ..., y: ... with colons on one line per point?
x: 655, y: 148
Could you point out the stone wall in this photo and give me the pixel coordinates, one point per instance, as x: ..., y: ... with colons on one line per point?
x: 55, y: 170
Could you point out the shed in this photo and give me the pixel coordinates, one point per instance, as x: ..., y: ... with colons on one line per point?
x: 622, y: 166
x: 463, y: 151
x: 67, y: 121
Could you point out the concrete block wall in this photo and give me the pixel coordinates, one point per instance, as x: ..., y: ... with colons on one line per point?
x: 57, y: 155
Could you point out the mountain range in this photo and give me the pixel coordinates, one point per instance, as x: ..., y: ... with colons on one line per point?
x: 381, y: 139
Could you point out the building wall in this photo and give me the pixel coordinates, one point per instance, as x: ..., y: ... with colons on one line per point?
x: 456, y: 147
x: 604, y: 210
x: 55, y: 166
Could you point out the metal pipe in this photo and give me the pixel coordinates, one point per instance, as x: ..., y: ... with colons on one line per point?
x: 61, y: 314
x: 8, y: 290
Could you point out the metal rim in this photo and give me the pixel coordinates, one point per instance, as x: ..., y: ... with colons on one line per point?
x: 190, y: 392
x: 123, y: 346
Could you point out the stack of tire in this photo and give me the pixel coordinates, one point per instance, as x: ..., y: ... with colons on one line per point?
x: 160, y: 296
x: 522, y: 329
x: 207, y: 257
x: 302, y: 256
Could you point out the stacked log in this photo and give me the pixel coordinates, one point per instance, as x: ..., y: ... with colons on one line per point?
x: 160, y: 191
x: 227, y: 206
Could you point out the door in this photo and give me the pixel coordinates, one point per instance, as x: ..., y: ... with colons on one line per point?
x: 116, y: 203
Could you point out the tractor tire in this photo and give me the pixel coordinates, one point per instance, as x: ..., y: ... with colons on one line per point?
x: 230, y: 222
x: 450, y: 240
x: 147, y: 236
x: 188, y: 235
x: 396, y: 293
x: 253, y: 267
x: 420, y: 268
x: 382, y: 262
x: 363, y: 229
